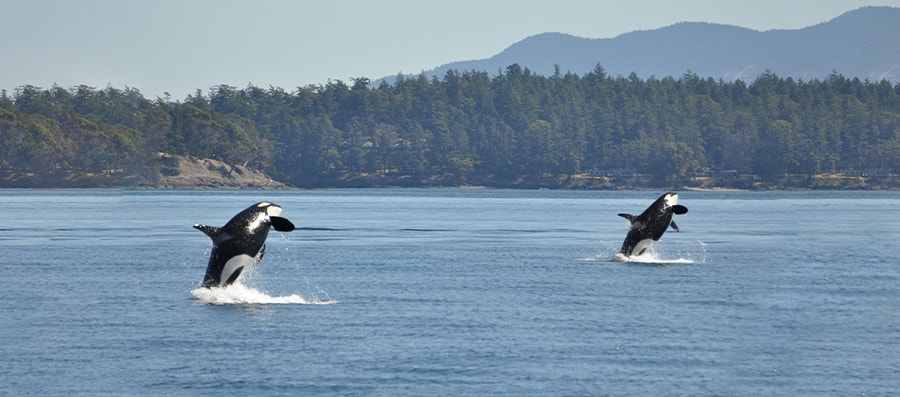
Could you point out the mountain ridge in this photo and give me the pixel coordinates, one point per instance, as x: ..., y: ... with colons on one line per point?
x: 859, y: 43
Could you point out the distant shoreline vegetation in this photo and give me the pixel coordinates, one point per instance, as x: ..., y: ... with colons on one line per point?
x: 516, y: 129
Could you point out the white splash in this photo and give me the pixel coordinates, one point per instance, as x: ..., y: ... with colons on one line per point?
x: 684, y: 255
x: 651, y: 258
x: 239, y: 294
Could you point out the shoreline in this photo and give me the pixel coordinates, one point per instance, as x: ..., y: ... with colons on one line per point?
x: 190, y: 173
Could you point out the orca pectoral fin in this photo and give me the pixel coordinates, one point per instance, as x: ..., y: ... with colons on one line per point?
x: 631, y: 218
x: 679, y: 209
x: 260, y: 255
x: 281, y: 224
x: 674, y: 226
x: 210, y: 231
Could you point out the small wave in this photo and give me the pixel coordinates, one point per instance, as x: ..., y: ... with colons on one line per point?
x: 321, y: 229
x: 239, y: 294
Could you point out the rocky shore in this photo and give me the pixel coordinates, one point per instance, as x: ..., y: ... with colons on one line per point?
x: 172, y: 172
x: 192, y: 174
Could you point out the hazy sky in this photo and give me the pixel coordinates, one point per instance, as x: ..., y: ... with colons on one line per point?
x: 178, y: 46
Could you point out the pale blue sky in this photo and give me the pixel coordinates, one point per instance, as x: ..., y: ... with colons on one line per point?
x: 178, y: 46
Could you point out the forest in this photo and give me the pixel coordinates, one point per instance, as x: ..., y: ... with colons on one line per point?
x: 468, y: 128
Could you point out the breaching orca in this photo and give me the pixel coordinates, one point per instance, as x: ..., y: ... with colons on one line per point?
x: 648, y: 227
x: 241, y: 243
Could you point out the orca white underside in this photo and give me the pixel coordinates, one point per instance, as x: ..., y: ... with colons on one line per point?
x: 242, y: 262
x: 642, y: 245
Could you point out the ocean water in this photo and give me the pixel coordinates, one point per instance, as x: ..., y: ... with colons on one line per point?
x: 452, y: 292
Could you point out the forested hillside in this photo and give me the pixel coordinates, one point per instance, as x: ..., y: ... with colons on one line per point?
x: 466, y: 128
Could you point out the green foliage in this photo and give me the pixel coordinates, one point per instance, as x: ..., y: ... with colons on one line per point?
x: 468, y: 127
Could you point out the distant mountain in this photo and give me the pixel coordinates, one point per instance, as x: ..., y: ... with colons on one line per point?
x: 864, y: 43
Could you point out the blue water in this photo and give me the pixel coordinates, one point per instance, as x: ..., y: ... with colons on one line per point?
x: 452, y: 292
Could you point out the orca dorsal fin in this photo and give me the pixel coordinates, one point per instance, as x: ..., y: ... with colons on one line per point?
x: 210, y: 231
x: 679, y: 209
x: 281, y: 224
x: 631, y: 218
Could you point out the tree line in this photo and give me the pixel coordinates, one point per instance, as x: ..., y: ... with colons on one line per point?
x: 465, y: 128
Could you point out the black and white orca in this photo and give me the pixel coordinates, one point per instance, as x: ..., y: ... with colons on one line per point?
x: 648, y: 227
x: 241, y: 243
